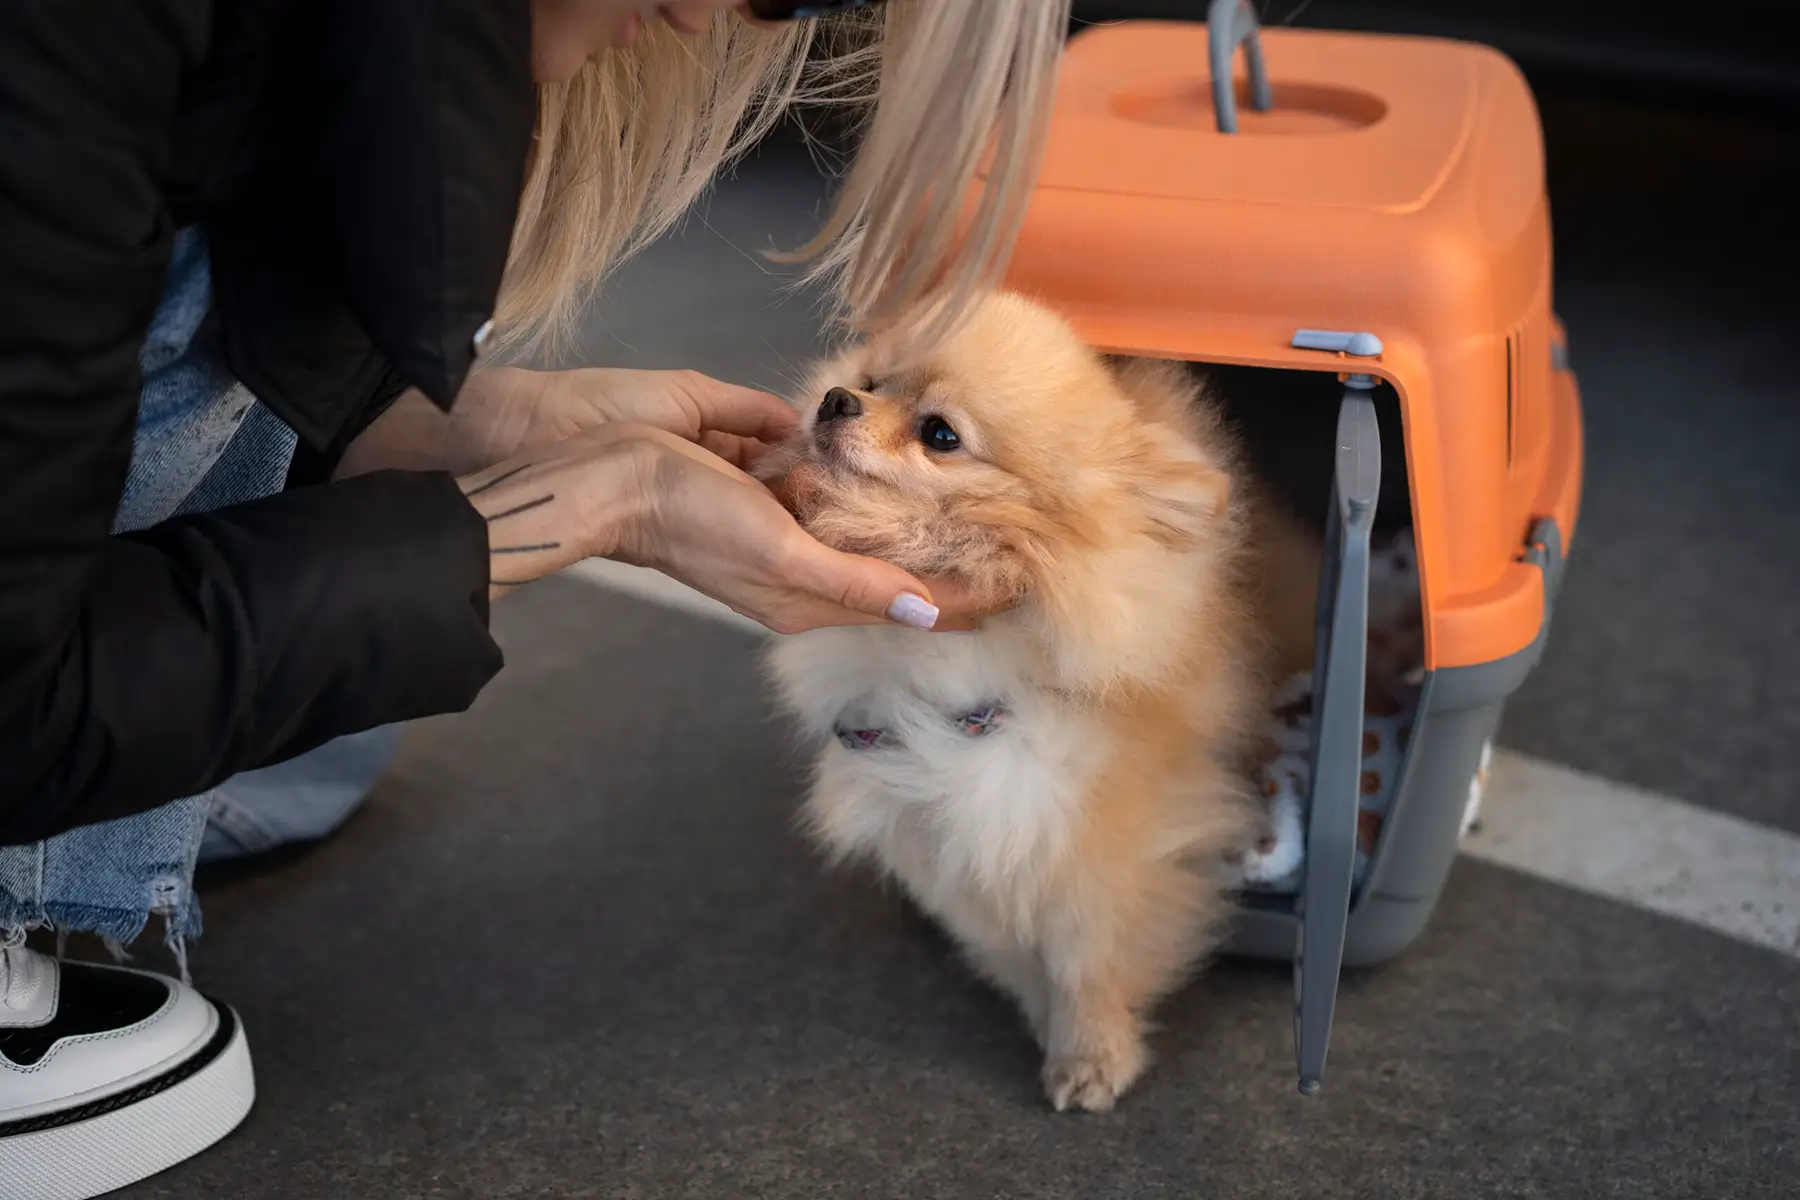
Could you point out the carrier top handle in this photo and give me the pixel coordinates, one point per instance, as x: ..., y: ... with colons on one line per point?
x: 1229, y: 22
x: 1339, y: 661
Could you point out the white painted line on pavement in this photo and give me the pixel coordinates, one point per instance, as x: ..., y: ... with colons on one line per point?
x: 1713, y: 870
x: 1702, y: 866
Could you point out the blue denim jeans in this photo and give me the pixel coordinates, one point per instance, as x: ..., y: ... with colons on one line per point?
x: 202, y: 442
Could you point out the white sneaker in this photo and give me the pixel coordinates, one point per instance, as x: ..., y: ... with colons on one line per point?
x: 109, y: 1075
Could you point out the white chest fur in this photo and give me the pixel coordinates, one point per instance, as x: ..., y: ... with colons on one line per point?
x: 966, y: 822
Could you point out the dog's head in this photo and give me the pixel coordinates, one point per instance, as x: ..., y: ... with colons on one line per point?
x: 1088, y: 497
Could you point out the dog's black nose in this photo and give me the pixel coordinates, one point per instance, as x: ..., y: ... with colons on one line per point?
x: 838, y: 404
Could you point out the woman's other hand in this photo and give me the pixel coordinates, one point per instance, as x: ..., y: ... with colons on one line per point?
x: 504, y: 412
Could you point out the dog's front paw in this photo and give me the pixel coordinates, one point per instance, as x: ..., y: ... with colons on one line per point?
x: 1093, y: 1081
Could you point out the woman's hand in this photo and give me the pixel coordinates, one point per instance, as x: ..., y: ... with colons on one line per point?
x: 643, y: 495
x: 506, y: 411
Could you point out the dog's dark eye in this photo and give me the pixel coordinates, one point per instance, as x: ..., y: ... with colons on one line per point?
x: 870, y: 384
x: 937, y: 435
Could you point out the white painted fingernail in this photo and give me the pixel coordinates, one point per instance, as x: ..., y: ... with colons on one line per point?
x: 916, y: 611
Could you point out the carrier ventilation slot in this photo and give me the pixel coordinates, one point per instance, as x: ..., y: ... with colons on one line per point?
x: 1512, y: 387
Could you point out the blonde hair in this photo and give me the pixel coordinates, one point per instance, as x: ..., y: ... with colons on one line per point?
x: 951, y: 92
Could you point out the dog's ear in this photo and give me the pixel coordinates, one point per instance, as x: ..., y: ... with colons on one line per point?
x: 1160, y: 389
x: 1185, y: 494
x: 1184, y: 490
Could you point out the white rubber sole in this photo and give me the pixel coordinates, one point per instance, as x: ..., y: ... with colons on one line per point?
x: 122, y: 1143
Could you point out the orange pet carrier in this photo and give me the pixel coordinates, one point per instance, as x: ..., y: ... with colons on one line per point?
x: 1372, y: 207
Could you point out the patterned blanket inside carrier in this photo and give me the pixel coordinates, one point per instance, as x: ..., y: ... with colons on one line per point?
x: 1396, y: 654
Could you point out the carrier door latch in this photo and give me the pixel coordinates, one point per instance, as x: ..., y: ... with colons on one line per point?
x: 1356, y: 345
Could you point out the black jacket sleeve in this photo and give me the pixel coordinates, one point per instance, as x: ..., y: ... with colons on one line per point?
x: 137, y: 669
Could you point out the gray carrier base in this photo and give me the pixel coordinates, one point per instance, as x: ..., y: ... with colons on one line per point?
x: 1458, y: 712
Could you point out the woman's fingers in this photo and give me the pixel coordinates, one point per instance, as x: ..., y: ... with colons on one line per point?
x: 719, y: 530
x: 738, y: 451
x: 958, y: 609
x: 684, y: 403
x: 741, y: 452
x: 728, y: 408
x: 719, y: 452
x: 962, y: 606
x: 871, y: 588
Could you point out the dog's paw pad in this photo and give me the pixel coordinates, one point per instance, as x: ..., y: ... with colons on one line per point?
x: 1090, y: 1083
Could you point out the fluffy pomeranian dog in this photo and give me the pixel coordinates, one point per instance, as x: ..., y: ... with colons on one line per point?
x: 1060, y: 788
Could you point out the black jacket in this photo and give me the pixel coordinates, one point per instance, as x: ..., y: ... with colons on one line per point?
x: 357, y: 166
